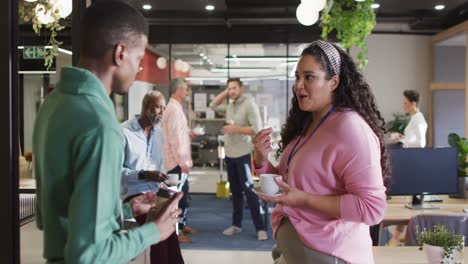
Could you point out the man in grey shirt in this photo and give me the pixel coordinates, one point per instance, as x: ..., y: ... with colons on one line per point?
x: 243, y: 121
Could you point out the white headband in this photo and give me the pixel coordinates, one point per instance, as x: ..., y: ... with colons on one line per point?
x: 332, y: 54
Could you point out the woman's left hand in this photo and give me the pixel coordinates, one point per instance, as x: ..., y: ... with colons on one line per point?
x: 291, y: 196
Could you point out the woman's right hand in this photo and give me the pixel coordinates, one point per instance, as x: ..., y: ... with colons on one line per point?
x: 262, y: 145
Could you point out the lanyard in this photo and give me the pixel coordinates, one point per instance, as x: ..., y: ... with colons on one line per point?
x: 294, y: 150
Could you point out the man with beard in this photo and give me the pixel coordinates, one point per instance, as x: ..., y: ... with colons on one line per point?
x: 143, y: 162
x: 143, y: 166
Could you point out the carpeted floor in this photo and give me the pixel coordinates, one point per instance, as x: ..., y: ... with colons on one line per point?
x: 211, y: 216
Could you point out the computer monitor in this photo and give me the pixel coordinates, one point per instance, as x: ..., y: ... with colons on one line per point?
x: 419, y: 171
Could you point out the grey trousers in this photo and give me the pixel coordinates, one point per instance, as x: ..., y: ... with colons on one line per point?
x: 291, y: 250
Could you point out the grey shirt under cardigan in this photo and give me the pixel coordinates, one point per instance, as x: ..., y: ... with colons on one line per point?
x: 244, y: 112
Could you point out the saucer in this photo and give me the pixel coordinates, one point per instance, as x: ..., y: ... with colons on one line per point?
x: 258, y: 191
x: 169, y: 185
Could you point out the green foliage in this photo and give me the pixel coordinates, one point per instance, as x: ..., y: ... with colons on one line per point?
x: 461, y: 144
x: 27, y: 14
x: 353, y: 22
x: 399, y: 123
x: 440, y: 236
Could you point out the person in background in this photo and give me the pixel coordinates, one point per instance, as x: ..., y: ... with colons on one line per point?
x: 414, y: 137
x: 177, y: 150
x: 333, y: 163
x: 78, y: 168
x: 143, y: 167
x: 243, y: 121
x: 415, y: 132
x: 143, y: 161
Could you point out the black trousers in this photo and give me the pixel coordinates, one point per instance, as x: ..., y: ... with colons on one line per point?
x: 183, y: 203
x: 240, y: 182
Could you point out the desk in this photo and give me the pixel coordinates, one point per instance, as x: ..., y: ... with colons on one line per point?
x: 397, y: 214
x: 403, y: 255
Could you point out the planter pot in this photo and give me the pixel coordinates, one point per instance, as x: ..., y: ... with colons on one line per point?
x: 435, y: 255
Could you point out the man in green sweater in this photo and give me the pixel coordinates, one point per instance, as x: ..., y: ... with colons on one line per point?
x: 79, y: 151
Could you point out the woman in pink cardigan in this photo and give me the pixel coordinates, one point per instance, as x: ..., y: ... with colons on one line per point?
x: 333, y: 163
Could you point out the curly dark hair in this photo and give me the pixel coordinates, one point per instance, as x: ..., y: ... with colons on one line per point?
x: 352, y: 92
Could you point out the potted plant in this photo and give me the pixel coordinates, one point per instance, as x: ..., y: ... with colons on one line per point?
x: 440, y: 244
x: 352, y: 21
x: 461, y: 143
x: 398, y: 123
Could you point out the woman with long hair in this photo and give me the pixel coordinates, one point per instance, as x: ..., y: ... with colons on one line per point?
x: 333, y: 163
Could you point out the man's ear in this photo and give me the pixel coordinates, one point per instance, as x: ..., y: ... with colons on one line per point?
x: 120, y: 51
x: 334, y: 81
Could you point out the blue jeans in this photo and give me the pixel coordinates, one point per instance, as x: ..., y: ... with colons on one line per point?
x: 240, y: 182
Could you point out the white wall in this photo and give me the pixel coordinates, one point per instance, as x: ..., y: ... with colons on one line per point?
x: 135, y: 97
x: 62, y: 60
x: 32, y: 96
x: 397, y: 63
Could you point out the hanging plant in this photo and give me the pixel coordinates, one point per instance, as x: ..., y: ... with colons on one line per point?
x: 353, y: 22
x: 48, y: 13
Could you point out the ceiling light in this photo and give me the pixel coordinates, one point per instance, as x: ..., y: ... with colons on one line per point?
x: 146, y: 7
x: 64, y: 7
x: 360, y: 0
x: 314, y: 5
x: 43, y: 16
x: 306, y: 15
x: 161, y: 62
x: 439, y: 7
x: 375, y: 6
x: 209, y: 7
x: 202, y: 54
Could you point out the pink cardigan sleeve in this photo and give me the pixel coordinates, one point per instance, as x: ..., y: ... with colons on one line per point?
x: 361, y: 173
x: 267, y: 167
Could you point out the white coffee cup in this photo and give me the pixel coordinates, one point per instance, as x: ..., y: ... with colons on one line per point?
x: 268, y: 184
x: 199, y: 131
x: 172, y: 179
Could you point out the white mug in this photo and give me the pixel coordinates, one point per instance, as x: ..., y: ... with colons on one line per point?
x: 172, y: 179
x: 268, y: 184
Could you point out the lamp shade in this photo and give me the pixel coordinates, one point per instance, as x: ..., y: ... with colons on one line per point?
x: 314, y: 5
x: 306, y: 15
x: 161, y: 62
x: 42, y: 16
x: 64, y: 7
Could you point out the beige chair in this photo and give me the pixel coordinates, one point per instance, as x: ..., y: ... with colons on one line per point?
x: 456, y: 223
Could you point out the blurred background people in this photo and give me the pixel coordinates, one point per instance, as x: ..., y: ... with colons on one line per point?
x: 143, y: 169
x: 243, y: 121
x: 177, y: 150
x: 415, y: 132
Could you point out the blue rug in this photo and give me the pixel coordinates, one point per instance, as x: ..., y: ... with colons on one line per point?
x: 211, y: 216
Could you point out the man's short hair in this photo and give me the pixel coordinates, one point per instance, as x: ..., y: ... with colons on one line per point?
x: 235, y: 79
x: 150, y: 97
x: 176, y: 83
x: 108, y: 23
x: 412, y: 96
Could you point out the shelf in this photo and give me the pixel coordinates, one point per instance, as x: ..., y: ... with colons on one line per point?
x: 209, y: 119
